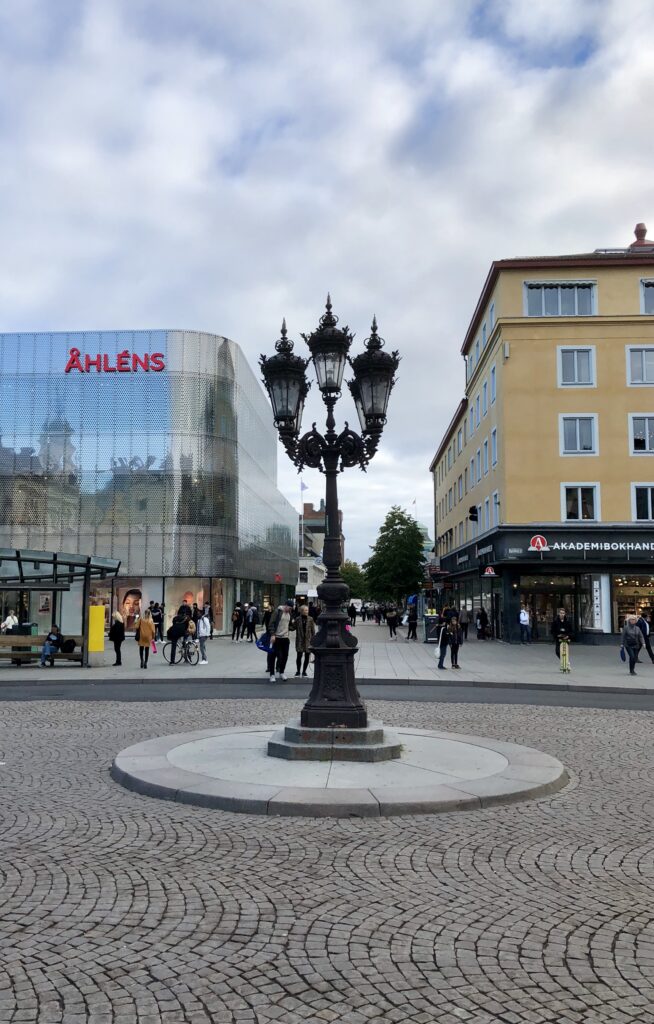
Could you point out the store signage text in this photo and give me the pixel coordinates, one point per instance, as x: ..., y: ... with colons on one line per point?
x: 488, y: 550
x: 598, y: 545
x: 125, y: 362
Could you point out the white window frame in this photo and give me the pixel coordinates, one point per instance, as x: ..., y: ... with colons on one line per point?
x: 460, y: 486
x: 478, y: 464
x: 557, y: 283
x: 486, y: 456
x: 573, y: 416
x: 491, y: 316
x: 582, y: 483
x: 494, y: 446
x: 646, y: 284
x: 477, y: 351
x: 477, y: 410
x: 559, y: 365
x: 638, y: 416
x: 459, y: 441
x: 637, y: 348
x: 484, y: 398
x: 473, y: 475
x: 472, y: 420
x: 639, y: 483
x: 496, y: 508
x: 484, y: 335
x: 493, y: 384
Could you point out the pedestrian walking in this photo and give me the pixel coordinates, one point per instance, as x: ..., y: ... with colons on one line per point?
x: 561, y: 629
x: 145, y: 633
x: 237, y: 621
x: 391, y: 621
x: 632, y: 641
x: 444, y: 639
x: 525, y: 625
x: 482, y: 624
x: 208, y: 611
x: 267, y: 615
x: 177, y: 631
x: 412, y: 632
x: 305, y: 630
x: 241, y: 636
x: 157, y: 618
x: 251, y: 623
x: 643, y: 624
x: 203, y: 633
x: 117, y: 635
x: 455, y: 641
x: 280, y: 625
x: 464, y: 619
x: 352, y: 612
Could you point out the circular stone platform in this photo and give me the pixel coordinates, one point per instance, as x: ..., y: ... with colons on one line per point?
x: 230, y: 769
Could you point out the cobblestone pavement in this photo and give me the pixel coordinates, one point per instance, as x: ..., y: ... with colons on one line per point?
x: 116, y: 908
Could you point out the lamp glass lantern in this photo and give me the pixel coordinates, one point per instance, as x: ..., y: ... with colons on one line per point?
x: 329, y: 346
x: 374, y: 378
x: 286, y: 384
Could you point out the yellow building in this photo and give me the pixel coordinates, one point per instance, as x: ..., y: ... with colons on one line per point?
x: 544, y: 479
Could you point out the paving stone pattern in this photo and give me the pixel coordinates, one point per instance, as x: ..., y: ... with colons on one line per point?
x: 116, y: 908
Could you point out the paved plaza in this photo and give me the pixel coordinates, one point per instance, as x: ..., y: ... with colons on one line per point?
x: 482, y: 663
x: 119, y: 908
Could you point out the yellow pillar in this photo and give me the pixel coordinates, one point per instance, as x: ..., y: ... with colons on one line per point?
x: 96, y: 628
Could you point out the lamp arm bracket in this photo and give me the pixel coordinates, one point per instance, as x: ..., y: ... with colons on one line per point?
x: 309, y: 450
x: 352, y: 449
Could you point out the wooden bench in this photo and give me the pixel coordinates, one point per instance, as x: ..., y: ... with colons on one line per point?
x: 30, y: 648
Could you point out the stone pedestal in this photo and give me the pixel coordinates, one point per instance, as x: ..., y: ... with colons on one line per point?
x: 297, y: 742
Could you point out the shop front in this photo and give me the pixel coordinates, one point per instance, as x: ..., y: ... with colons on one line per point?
x: 598, y: 575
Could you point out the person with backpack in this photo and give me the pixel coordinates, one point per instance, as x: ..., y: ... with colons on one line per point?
x: 237, y: 622
x: 280, y: 626
x: 444, y: 641
x: 251, y: 623
x: 177, y: 631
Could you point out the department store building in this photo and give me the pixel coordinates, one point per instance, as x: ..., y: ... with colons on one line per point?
x: 153, y: 447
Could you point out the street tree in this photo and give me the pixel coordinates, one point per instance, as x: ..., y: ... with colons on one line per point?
x: 355, y: 578
x: 395, y: 568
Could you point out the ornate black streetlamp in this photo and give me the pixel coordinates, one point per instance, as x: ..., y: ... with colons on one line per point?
x: 334, y: 699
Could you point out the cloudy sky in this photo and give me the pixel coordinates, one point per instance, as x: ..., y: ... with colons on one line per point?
x: 219, y: 164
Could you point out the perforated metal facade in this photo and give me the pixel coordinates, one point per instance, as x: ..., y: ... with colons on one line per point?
x: 171, y: 471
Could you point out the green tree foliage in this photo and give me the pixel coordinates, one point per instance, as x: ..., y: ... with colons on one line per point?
x: 355, y: 578
x: 395, y: 568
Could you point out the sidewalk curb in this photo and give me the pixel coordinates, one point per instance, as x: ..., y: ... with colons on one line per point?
x: 439, y: 683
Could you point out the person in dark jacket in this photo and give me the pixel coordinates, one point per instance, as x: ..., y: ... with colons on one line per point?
x: 157, y: 618
x: 456, y: 639
x: 412, y: 633
x: 251, y: 623
x: 391, y: 620
x: 237, y: 621
x: 561, y: 630
x: 117, y: 635
x: 644, y: 626
x: 178, y: 629
x: 482, y: 624
x: 444, y: 641
x: 265, y: 621
x: 352, y: 612
x: 51, y: 646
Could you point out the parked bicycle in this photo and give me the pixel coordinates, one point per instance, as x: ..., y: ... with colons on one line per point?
x: 187, y: 650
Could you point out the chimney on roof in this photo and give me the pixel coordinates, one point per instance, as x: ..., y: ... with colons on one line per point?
x: 640, y: 232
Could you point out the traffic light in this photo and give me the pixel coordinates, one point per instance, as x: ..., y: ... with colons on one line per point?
x: 473, y: 515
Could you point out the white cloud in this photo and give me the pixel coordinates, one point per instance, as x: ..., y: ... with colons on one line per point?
x: 221, y: 165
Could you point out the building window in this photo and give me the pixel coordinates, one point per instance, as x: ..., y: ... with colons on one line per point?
x: 643, y: 502
x: 579, y: 502
x: 484, y: 398
x: 477, y: 418
x: 576, y: 367
x: 560, y: 299
x: 304, y: 576
x: 496, y: 508
x: 473, y: 478
x: 647, y: 297
x: 478, y: 464
x: 477, y: 350
x: 449, y: 457
x: 487, y: 514
x: 485, y: 456
x: 494, y: 446
x: 465, y: 481
x: 460, y: 488
x: 472, y: 422
x: 642, y: 435
x: 449, y: 500
x: 491, y: 316
x: 484, y: 336
x: 640, y: 365
x: 578, y: 435
x: 460, y: 534
x: 493, y: 384
x: 459, y: 441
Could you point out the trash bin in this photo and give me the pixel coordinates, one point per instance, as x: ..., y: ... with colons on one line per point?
x: 431, y: 629
x: 22, y: 629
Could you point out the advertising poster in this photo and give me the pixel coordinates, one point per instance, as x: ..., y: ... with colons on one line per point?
x: 129, y: 599
x: 45, y: 603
